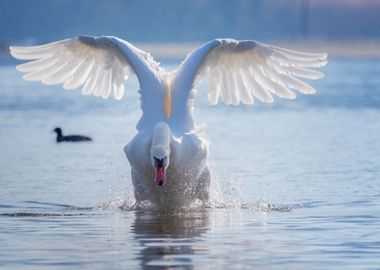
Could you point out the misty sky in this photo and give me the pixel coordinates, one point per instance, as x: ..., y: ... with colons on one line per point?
x: 197, y: 20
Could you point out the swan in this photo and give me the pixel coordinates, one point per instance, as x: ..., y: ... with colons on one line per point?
x: 169, y: 154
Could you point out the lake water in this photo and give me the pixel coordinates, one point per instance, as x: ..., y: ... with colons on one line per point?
x: 300, y: 181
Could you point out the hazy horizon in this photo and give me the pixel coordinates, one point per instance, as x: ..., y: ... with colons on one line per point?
x: 29, y: 22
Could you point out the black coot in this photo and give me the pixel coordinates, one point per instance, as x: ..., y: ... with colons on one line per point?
x: 70, y: 138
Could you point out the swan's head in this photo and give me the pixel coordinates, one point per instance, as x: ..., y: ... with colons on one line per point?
x: 160, y: 161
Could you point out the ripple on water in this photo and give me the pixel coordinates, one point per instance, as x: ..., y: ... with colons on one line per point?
x: 47, y: 209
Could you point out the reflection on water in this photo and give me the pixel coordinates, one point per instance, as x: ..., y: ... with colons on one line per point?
x: 169, y: 239
x: 50, y: 234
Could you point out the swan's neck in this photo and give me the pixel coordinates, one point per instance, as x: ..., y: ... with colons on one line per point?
x: 161, y: 135
x: 160, y: 151
x: 168, y: 97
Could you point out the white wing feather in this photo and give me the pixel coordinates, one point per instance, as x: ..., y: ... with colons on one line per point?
x: 239, y: 71
x: 98, y: 64
x: 255, y: 70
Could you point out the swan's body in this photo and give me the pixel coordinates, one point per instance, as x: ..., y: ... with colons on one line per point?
x: 168, y: 156
x: 188, y: 175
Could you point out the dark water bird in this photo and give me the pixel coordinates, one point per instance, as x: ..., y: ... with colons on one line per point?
x: 70, y: 138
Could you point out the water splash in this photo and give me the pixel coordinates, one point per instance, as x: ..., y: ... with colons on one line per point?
x: 230, y: 197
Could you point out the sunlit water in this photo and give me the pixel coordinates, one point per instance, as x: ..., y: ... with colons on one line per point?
x: 300, y: 182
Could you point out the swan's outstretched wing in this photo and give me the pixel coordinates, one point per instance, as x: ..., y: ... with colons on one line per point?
x: 242, y: 71
x: 98, y: 64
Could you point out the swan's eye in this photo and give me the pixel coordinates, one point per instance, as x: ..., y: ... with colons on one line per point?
x: 160, y: 162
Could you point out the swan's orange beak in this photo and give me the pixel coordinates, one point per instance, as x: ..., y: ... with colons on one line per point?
x: 160, y: 175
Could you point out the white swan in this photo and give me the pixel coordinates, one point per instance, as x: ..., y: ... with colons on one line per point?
x: 168, y: 148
